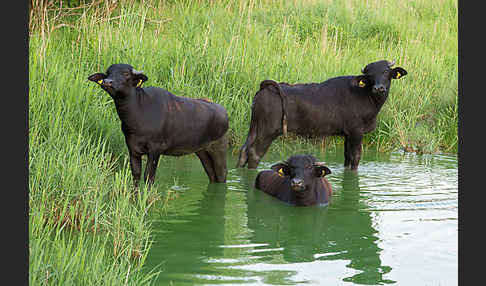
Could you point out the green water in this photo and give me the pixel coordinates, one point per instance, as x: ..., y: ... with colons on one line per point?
x: 394, y: 222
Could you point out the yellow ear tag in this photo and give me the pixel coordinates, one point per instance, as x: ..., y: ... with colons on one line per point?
x: 398, y: 75
x: 323, y: 173
x: 100, y: 81
x: 280, y: 172
x: 139, y: 83
x: 361, y: 83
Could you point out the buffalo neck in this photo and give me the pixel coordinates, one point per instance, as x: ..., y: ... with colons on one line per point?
x: 377, y: 100
x: 127, y: 106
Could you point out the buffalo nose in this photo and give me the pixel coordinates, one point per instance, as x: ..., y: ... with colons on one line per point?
x: 379, y: 88
x: 296, y: 182
x: 107, y: 82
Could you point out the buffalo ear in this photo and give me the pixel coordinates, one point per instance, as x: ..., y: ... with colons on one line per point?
x: 359, y: 81
x: 281, y: 168
x: 97, y: 77
x: 398, y: 72
x: 138, y: 78
x: 320, y: 170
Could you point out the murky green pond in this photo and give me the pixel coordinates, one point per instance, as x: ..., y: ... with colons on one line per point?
x: 393, y: 222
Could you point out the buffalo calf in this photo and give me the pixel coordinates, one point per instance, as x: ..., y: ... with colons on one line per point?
x: 299, y: 180
x: 340, y: 106
x: 155, y: 122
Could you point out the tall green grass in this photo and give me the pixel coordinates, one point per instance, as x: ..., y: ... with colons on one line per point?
x: 84, y: 223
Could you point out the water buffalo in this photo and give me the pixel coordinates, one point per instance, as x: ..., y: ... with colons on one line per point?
x: 299, y: 180
x: 341, y: 106
x: 319, y: 235
x: 155, y: 122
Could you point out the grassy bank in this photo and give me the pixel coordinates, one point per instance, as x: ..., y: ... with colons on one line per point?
x: 84, y: 224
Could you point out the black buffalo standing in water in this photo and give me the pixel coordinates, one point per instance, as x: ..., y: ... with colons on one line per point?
x: 341, y: 106
x: 155, y: 122
x: 299, y: 181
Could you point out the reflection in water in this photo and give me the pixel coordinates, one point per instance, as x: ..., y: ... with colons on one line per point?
x: 396, y: 206
x: 316, y: 233
x: 361, y: 242
x: 188, y: 240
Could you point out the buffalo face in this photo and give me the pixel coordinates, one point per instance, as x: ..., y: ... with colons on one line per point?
x: 302, y: 170
x: 119, y: 78
x: 377, y: 76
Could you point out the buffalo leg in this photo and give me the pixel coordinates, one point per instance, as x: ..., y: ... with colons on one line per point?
x: 217, y: 152
x: 243, y: 157
x: 346, y: 152
x: 354, y: 151
x: 151, y: 167
x: 136, y: 167
x: 250, y: 139
x: 207, y: 164
x: 253, y: 158
x: 258, y: 150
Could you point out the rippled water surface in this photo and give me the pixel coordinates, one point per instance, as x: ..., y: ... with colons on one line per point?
x: 393, y: 222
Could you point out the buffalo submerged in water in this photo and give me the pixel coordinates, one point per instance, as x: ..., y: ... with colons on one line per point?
x: 299, y: 180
